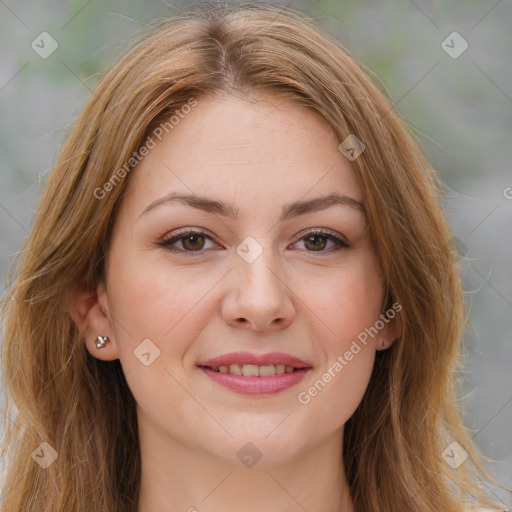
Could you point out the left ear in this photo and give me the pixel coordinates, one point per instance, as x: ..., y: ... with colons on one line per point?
x: 89, y: 310
x: 391, y: 330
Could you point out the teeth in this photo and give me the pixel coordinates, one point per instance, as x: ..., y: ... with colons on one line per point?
x: 250, y: 370
x: 235, y: 369
x: 253, y: 370
x: 268, y: 370
x: 280, y: 369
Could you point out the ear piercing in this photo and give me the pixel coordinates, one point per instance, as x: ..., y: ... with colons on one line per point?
x: 101, y: 341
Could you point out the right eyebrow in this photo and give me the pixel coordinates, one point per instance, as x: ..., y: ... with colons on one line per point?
x: 228, y: 210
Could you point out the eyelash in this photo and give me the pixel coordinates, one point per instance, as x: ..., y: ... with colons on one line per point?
x: 185, y: 232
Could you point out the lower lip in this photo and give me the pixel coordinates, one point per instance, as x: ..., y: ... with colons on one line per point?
x: 257, y: 385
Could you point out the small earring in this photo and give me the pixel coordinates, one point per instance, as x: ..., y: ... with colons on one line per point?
x: 102, y: 341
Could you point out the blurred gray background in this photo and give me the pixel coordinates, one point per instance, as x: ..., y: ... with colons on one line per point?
x: 457, y: 100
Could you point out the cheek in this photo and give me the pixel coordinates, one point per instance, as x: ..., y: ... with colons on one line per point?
x: 345, y: 304
x: 149, y: 301
x: 346, y: 300
x: 337, y: 387
x: 330, y: 398
x: 337, y: 393
x: 164, y: 306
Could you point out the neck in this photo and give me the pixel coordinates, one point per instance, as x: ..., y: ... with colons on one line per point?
x: 182, y: 478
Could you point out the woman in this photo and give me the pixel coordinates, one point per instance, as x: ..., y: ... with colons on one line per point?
x: 239, y: 291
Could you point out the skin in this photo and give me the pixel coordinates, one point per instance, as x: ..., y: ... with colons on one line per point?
x: 257, y: 156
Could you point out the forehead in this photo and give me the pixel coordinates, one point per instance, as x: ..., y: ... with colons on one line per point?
x: 268, y: 149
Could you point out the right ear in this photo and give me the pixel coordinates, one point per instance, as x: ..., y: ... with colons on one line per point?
x: 89, y: 311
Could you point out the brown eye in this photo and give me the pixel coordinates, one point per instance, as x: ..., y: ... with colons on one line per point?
x: 315, y: 242
x: 193, y: 242
x: 322, y: 242
x: 188, y: 241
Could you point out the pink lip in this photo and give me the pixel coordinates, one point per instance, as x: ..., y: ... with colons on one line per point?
x: 256, y: 385
x: 260, y: 360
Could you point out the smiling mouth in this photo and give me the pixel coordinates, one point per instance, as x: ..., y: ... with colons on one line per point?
x: 253, y: 370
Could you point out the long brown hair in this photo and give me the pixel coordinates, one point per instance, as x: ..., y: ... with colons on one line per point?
x: 82, y: 407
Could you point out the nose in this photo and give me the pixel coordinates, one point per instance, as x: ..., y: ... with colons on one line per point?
x: 258, y: 299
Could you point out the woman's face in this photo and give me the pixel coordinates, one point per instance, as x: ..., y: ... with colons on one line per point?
x: 282, y: 273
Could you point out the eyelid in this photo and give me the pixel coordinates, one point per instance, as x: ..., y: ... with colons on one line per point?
x: 180, y: 233
x: 325, y: 231
x: 185, y: 231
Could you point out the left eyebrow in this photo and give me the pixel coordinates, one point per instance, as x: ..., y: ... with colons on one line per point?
x: 228, y: 210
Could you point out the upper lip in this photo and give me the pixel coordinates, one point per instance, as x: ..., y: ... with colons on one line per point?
x: 256, y: 359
